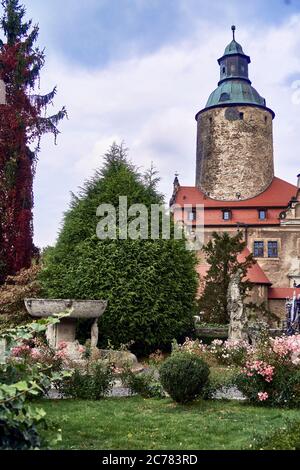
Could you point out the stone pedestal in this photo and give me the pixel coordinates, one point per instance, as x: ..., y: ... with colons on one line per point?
x: 65, y: 331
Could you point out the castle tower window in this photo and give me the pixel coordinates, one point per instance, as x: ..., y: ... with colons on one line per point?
x: 227, y: 214
x: 262, y: 214
x: 272, y: 249
x: 259, y: 249
x: 225, y: 97
x: 241, y: 116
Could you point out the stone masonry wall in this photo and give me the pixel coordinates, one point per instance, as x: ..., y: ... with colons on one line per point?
x: 234, y: 152
x: 279, y: 270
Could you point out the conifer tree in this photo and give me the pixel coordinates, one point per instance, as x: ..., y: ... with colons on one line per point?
x: 150, y: 285
x: 23, y: 121
x: 222, y: 256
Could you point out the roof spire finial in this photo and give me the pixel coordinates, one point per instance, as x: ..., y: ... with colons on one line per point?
x: 233, y: 31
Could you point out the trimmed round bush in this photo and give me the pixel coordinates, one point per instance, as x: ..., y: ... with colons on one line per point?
x: 184, y: 376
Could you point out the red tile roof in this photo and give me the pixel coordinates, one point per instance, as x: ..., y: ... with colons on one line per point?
x: 280, y: 293
x: 274, y: 199
x: 278, y: 194
x: 255, y: 273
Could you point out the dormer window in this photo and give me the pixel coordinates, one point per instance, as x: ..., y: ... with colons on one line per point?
x: 262, y: 214
x: 227, y: 214
x: 225, y: 97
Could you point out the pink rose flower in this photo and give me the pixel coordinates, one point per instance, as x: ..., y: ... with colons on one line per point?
x: 263, y: 396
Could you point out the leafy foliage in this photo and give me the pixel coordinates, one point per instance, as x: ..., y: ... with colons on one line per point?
x: 271, y: 377
x: 285, y: 438
x: 150, y: 285
x: 23, y: 121
x: 22, y: 425
x: 144, y: 384
x: 12, y: 294
x: 222, y: 255
x: 19, y: 422
x: 184, y: 376
x: 282, y: 391
x: 91, y: 383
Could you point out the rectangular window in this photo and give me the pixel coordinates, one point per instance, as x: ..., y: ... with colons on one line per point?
x: 259, y: 249
x: 227, y: 215
x: 192, y: 215
x: 262, y: 214
x: 272, y: 249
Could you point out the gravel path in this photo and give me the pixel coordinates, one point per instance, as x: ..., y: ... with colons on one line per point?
x: 231, y: 393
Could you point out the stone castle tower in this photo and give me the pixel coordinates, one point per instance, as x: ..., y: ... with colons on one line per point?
x: 235, y: 134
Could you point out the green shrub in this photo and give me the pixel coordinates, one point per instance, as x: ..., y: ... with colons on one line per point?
x: 22, y: 425
x: 91, y: 383
x: 184, y: 376
x: 150, y: 284
x: 286, y: 438
x: 220, y: 378
x: 271, y: 375
x: 282, y: 391
x: 143, y: 384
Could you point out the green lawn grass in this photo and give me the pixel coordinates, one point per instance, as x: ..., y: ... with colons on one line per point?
x: 135, y: 423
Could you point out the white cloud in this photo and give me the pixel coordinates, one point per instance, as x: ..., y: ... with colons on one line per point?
x: 150, y: 102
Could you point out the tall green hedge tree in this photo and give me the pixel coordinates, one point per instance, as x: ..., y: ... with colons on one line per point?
x: 150, y: 285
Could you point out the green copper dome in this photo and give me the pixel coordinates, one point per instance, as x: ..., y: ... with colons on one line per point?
x: 234, y: 48
x: 235, y: 87
x: 237, y: 92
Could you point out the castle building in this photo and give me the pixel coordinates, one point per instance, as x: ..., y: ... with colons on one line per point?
x: 235, y: 183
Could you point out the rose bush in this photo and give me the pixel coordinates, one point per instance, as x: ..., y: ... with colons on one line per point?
x: 220, y: 352
x: 271, y: 375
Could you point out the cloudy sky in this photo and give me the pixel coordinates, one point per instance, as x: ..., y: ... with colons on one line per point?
x: 139, y: 71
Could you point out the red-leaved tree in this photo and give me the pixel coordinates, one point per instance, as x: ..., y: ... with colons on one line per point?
x: 23, y: 121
